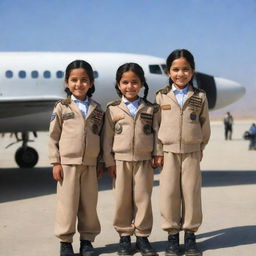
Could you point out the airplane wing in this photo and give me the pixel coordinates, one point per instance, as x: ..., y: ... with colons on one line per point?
x: 21, y: 106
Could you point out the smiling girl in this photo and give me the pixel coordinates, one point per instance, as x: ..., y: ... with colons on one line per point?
x: 74, y: 145
x: 130, y: 143
x: 184, y: 132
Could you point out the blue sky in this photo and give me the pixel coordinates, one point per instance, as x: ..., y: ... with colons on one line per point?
x: 220, y: 33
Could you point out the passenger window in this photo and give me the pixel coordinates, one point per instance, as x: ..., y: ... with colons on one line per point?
x: 9, y: 74
x: 47, y: 74
x: 22, y: 74
x: 155, y: 69
x: 95, y: 74
x: 34, y: 74
x: 59, y: 74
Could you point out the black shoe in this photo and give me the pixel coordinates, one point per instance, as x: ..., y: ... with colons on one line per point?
x: 66, y: 249
x: 144, y: 246
x: 86, y: 248
x: 125, y: 247
x: 190, y: 245
x: 173, y: 248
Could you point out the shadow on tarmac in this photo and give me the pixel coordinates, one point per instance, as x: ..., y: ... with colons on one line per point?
x: 228, y: 178
x: 228, y: 237
x: 16, y: 184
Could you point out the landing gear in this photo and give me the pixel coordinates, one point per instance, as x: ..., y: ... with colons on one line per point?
x: 25, y: 156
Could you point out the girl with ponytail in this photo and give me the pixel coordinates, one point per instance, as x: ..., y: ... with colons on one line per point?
x: 129, y: 144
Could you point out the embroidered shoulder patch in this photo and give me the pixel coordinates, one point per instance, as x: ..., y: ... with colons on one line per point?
x: 164, y: 90
x: 114, y: 103
x: 53, y: 115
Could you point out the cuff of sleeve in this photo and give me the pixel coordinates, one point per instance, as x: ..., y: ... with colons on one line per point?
x: 110, y: 163
x: 202, y: 147
x: 158, y: 153
x: 54, y: 160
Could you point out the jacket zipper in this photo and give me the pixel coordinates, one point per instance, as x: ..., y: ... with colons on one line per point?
x: 181, y: 121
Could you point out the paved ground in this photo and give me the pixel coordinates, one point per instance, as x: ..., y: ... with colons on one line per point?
x: 27, y: 202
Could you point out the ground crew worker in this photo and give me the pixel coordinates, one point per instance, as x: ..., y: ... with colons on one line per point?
x: 228, y: 124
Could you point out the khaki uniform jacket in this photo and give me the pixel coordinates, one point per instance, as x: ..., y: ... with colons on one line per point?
x: 75, y: 139
x: 128, y: 138
x: 187, y: 129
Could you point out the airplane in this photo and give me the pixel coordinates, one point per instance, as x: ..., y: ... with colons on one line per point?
x: 31, y: 83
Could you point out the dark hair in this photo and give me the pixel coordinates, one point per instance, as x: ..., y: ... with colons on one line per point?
x: 137, y: 69
x: 179, y: 53
x: 88, y: 69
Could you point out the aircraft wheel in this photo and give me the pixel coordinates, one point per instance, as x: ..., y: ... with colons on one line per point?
x: 26, y: 157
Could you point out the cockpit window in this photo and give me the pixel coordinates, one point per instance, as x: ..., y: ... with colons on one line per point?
x: 164, y: 68
x: 95, y: 74
x: 155, y: 69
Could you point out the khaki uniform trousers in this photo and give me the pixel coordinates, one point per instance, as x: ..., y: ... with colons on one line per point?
x: 77, y: 198
x: 180, y: 192
x: 133, y: 188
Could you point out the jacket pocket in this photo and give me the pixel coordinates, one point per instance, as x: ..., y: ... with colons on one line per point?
x: 122, y: 143
x: 69, y: 147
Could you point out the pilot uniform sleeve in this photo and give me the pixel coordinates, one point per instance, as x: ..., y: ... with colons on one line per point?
x: 108, y: 138
x: 54, y: 135
x: 205, y: 124
x: 158, y: 147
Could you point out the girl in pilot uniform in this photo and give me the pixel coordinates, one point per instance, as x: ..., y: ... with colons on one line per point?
x: 129, y: 143
x: 184, y: 132
x: 74, y: 146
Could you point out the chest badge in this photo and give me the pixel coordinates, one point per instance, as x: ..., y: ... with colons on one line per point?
x: 68, y: 115
x: 147, y: 129
x: 95, y: 129
x: 193, y: 116
x: 118, y: 128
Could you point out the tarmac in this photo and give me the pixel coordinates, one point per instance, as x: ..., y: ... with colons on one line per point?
x: 28, y: 201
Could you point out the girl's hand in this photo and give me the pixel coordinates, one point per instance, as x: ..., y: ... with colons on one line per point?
x: 112, y: 171
x: 158, y: 162
x: 57, y: 172
x: 100, y: 170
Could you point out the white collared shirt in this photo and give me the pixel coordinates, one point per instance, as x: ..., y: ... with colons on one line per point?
x: 83, y: 105
x: 132, y: 106
x: 180, y: 94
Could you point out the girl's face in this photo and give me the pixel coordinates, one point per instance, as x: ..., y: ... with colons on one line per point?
x: 130, y: 85
x: 180, y: 72
x: 79, y: 83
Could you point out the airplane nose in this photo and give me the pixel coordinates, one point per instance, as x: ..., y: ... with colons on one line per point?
x: 227, y: 92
